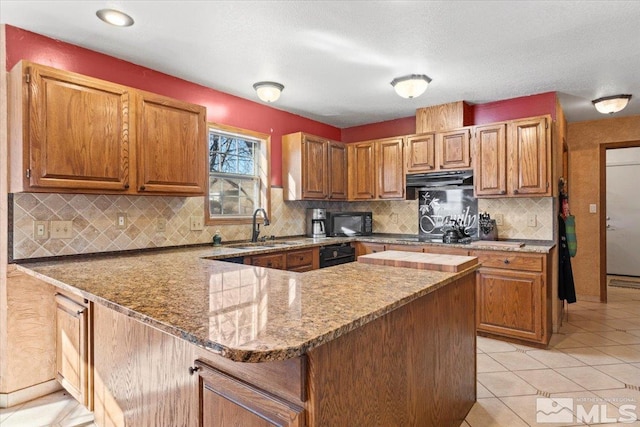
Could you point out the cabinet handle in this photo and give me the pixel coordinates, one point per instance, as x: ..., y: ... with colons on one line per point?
x: 126, y: 186
x: 142, y: 188
x: 506, y: 261
x: 193, y: 369
x: 79, y: 312
x: 268, y: 264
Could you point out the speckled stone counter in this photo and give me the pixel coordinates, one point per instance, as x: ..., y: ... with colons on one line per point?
x: 241, y: 312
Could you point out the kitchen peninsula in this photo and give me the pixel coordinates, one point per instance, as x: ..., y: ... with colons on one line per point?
x: 179, y: 339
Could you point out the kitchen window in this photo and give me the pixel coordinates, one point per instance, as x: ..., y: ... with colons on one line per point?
x: 238, y: 174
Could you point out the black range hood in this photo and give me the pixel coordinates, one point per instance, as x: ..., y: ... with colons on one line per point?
x: 441, y: 179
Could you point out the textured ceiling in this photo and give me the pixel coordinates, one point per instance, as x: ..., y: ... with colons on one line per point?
x: 337, y: 58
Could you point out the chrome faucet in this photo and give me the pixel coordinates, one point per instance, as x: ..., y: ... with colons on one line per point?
x: 256, y: 226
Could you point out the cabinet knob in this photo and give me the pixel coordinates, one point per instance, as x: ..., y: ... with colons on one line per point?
x: 506, y: 261
x: 516, y: 191
x: 503, y: 192
x: 126, y: 186
x: 193, y: 369
x: 142, y: 188
x: 268, y: 264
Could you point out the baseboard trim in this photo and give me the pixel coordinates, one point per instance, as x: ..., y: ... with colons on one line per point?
x: 17, y: 397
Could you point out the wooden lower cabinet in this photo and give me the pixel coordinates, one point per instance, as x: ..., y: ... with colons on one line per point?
x: 73, y: 348
x: 363, y: 248
x: 299, y: 260
x: 224, y: 401
x: 513, y: 296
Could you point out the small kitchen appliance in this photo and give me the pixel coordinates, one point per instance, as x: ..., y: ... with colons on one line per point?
x: 487, y: 229
x: 316, y: 223
x: 347, y: 224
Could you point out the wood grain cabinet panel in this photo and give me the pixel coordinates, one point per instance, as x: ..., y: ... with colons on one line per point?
x: 313, y: 168
x: 303, y: 260
x: 172, y: 151
x: 71, y: 133
x: 362, y: 171
x: 390, y: 168
x: 513, y: 158
x: 490, y: 177
x: 226, y: 401
x: 73, y: 348
x: 67, y: 131
x: 421, y: 153
x: 272, y: 260
x: 454, y: 149
x: 513, y: 296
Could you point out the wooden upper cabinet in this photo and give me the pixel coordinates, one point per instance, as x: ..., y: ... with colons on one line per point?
x: 313, y: 168
x: 490, y: 177
x: 362, y: 171
x: 530, y: 157
x: 338, y: 188
x: 71, y: 133
x: 67, y: 131
x: 454, y: 149
x: 390, y: 168
x: 421, y: 153
x: 171, y: 141
x: 513, y: 158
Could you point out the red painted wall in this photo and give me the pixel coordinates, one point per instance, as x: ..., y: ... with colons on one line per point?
x: 514, y: 108
x: 404, y: 126
x: 221, y: 107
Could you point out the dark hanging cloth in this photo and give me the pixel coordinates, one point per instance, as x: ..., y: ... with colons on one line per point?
x: 566, y: 287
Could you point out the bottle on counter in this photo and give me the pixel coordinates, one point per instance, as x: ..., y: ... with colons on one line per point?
x: 217, y: 238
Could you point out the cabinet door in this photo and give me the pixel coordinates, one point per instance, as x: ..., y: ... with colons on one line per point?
x: 337, y: 171
x: 509, y: 303
x: 72, y: 352
x: 529, y: 159
x: 269, y: 260
x: 362, y: 176
x: 390, y: 166
x: 225, y: 401
x: 303, y: 260
x: 363, y: 248
x: 421, y: 153
x: 78, y: 133
x: 490, y: 177
x: 172, y: 146
x: 314, y: 168
x: 454, y: 149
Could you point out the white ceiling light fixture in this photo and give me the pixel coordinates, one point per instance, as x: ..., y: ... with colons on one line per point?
x: 411, y: 86
x: 611, y: 104
x: 268, y: 91
x: 115, y: 17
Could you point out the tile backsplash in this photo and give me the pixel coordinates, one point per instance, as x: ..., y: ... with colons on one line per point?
x: 94, y: 220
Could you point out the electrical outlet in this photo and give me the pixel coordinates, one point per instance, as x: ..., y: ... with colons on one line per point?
x: 394, y: 218
x: 532, y: 220
x: 161, y: 224
x: 499, y: 219
x: 40, y: 230
x: 593, y: 208
x: 197, y: 223
x: 61, y: 229
x: 121, y: 221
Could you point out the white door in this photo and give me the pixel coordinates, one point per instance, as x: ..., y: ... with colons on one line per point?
x: 623, y: 211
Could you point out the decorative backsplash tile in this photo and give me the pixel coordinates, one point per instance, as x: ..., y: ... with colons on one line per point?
x: 94, y: 220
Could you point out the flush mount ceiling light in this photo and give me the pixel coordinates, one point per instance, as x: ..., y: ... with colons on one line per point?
x: 411, y: 86
x: 268, y: 91
x: 611, y: 104
x: 115, y: 17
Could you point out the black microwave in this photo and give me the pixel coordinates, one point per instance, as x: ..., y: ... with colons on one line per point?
x: 341, y: 224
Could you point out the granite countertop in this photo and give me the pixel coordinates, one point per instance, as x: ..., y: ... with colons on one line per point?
x: 241, y: 312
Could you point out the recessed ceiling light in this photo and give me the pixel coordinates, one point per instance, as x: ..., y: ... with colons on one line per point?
x: 115, y: 17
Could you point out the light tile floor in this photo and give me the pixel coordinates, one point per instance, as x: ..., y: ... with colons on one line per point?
x: 594, y: 360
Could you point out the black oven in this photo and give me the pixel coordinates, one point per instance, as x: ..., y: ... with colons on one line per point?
x: 346, y: 224
x: 340, y: 253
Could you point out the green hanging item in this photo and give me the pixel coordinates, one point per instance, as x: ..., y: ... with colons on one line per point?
x: 572, y: 242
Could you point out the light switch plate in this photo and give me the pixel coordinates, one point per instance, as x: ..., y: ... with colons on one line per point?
x: 40, y: 230
x: 197, y: 223
x: 532, y: 221
x: 593, y: 208
x: 61, y: 229
x: 499, y: 219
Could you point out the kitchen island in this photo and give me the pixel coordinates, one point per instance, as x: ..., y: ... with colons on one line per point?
x: 178, y: 339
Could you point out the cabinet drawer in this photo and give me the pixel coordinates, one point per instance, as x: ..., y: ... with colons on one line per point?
x: 269, y: 261
x: 299, y: 258
x: 510, y: 260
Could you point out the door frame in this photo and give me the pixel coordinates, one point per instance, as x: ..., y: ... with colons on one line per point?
x: 603, y: 210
